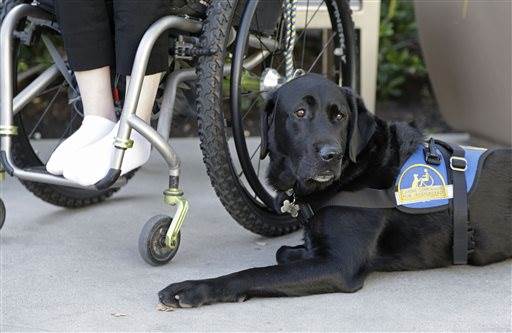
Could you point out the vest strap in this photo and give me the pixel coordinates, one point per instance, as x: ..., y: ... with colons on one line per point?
x: 459, y: 203
x: 364, y: 198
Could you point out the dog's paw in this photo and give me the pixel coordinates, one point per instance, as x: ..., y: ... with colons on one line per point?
x: 188, y: 294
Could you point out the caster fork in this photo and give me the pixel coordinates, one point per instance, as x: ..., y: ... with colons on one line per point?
x: 174, y: 197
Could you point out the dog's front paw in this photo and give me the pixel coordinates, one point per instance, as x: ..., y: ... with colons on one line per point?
x: 188, y: 294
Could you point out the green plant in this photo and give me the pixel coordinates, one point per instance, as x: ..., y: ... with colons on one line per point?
x: 33, y: 56
x: 401, y: 66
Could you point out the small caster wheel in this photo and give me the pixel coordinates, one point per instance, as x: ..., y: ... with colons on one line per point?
x: 152, y: 247
x: 2, y: 213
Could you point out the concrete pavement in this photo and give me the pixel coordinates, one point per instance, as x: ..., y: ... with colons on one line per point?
x: 79, y: 270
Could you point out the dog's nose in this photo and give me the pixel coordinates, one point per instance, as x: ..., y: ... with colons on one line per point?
x: 329, y: 153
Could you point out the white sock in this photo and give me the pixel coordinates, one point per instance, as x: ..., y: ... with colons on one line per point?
x: 90, y: 164
x: 92, y: 129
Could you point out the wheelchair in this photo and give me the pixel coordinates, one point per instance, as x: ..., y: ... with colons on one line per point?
x: 235, y: 55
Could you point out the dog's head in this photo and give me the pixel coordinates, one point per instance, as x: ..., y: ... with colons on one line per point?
x: 312, y: 130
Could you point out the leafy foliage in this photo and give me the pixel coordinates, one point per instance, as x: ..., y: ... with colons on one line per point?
x: 400, y: 61
x: 33, y: 56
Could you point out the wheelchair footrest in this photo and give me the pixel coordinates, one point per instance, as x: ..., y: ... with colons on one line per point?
x: 42, y: 171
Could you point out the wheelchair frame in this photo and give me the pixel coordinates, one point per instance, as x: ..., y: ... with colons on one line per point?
x: 129, y: 121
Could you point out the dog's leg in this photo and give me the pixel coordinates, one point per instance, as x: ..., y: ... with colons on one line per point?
x: 307, y: 277
x: 341, y: 243
x: 289, y: 254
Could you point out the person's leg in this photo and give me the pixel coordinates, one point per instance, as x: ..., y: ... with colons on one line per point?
x: 132, y: 19
x: 96, y: 93
x: 88, y: 41
x: 91, y: 163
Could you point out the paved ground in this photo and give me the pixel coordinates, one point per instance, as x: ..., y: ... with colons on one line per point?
x: 71, y: 270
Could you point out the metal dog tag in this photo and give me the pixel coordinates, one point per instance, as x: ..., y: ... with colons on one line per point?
x: 290, y: 208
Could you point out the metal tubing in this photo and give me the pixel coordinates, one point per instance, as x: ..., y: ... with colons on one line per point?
x: 262, y: 43
x: 139, y: 70
x: 45, y: 178
x: 171, y: 237
x: 9, y: 25
x: 35, y: 88
x: 253, y: 60
x: 169, y: 99
x: 169, y: 155
x: 189, y: 74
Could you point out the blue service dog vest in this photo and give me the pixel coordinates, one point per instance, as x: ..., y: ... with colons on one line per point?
x: 424, y: 185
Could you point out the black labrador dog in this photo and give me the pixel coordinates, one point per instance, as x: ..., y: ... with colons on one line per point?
x: 316, y: 142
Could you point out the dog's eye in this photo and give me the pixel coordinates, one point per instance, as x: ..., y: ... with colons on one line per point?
x: 300, y: 113
x: 339, y: 116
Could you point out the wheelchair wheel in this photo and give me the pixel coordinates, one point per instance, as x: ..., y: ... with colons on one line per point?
x: 238, y: 176
x: 56, y: 113
x: 152, y: 247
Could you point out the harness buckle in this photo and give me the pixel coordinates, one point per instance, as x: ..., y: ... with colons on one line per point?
x: 431, y: 155
x: 458, y: 163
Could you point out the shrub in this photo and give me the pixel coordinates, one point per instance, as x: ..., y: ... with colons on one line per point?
x: 401, y: 66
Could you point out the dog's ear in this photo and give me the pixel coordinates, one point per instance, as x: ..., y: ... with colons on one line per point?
x: 265, y: 118
x: 362, y: 124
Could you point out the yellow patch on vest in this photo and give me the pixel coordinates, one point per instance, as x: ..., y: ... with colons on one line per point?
x: 421, y: 183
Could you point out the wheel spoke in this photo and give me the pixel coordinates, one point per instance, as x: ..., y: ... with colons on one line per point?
x: 311, y: 19
x: 322, y: 52
x: 252, y: 156
x: 69, y: 127
x: 258, y: 37
x: 255, y: 151
x: 305, y: 37
x: 247, y: 94
x: 251, y: 107
x: 49, y: 90
x: 279, y: 39
x: 40, y: 120
x: 66, y: 131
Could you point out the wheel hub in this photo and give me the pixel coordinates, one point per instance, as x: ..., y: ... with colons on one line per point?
x: 270, y: 81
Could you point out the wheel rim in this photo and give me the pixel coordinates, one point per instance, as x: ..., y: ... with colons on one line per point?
x: 248, y: 167
x: 159, y: 250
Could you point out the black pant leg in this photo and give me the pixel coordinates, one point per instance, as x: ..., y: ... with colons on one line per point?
x: 86, y: 30
x: 132, y: 19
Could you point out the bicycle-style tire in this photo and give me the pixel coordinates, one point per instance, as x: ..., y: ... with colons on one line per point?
x: 212, y: 124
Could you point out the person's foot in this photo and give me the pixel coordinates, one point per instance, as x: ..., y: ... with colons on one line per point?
x: 92, y: 129
x: 90, y: 164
